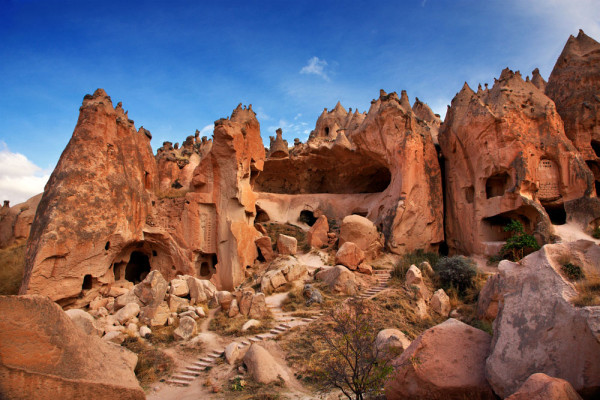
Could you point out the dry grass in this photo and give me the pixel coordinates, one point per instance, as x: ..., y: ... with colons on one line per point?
x: 588, y: 292
x: 242, y: 389
x: 295, y: 300
x: 225, y: 326
x: 162, y: 336
x: 12, y: 263
x: 152, y: 363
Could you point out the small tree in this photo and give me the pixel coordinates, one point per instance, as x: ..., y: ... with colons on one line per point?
x: 520, y: 243
x: 350, y: 360
x: 457, y: 271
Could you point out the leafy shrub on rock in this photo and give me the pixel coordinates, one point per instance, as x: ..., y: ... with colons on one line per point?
x: 457, y: 271
x: 519, y: 244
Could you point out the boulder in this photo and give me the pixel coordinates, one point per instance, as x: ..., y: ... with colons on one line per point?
x: 317, y: 234
x: 391, y: 342
x: 250, y: 324
x: 440, y: 303
x: 538, y: 329
x: 265, y: 247
x: 84, y: 321
x: 339, y: 279
x: 186, y: 329
x: 125, y: 299
x: 349, y: 255
x: 258, y: 309
x: 128, y: 312
x: 179, y: 287
x: 201, y: 290
x: 363, y: 233
x: 116, y: 337
x: 262, y: 367
x: 246, y: 301
x: 151, y: 292
x: 145, y: 331
x: 233, y: 309
x: 272, y: 280
x: 43, y: 353
x: 425, y: 268
x: 365, y: 268
x: 287, y: 245
x: 294, y: 271
x: 543, y: 387
x: 161, y: 315
x: 232, y: 353
x: 200, y: 312
x: 224, y: 298
x: 413, y: 276
x: 177, y: 303
x: 431, y: 369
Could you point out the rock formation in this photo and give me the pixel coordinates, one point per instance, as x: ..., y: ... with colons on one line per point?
x: 104, y: 219
x: 537, y: 328
x: 507, y: 157
x: 15, y: 221
x: 279, y: 147
x: 574, y: 86
x: 44, y: 355
x: 382, y: 165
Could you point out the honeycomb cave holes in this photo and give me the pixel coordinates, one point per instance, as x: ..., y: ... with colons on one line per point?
x: 107, y: 246
x: 137, y: 268
x: 261, y: 215
x: 87, y: 282
x: 496, y: 185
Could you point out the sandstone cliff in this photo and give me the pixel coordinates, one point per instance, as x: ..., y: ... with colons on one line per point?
x: 507, y: 157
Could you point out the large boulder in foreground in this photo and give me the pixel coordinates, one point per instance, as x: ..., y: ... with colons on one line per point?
x: 537, y: 328
x: 363, y: 233
x: 544, y: 387
x: 44, y: 355
x: 339, y: 279
x: 262, y: 367
x: 445, y: 362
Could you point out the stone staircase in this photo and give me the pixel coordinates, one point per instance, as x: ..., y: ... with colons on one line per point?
x: 284, y: 322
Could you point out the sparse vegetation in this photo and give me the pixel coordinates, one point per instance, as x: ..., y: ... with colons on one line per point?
x: 588, y: 292
x: 273, y: 230
x: 223, y: 325
x: 415, y: 258
x: 596, y: 232
x: 152, y: 363
x: 162, y: 336
x: 456, y: 272
x: 572, y: 271
x: 519, y: 244
x: 12, y: 263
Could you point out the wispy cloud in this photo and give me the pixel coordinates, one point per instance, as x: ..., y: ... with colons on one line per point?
x: 20, y: 179
x: 207, y: 130
x: 316, y: 66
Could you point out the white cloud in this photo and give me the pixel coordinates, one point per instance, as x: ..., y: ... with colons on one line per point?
x: 207, y: 130
x: 316, y: 66
x: 20, y: 179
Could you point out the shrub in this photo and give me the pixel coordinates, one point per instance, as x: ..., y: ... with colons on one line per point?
x: 572, y: 271
x: 519, y: 244
x: 596, y: 232
x: 457, y: 271
x: 152, y: 364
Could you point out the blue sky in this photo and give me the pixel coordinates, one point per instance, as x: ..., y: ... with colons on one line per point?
x: 177, y: 66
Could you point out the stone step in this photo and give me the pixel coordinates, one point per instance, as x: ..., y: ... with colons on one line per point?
x: 182, y: 377
x: 216, y: 353
x: 286, y: 325
x: 196, y: 368
x: 192, y: 374
x: 245, y: 342
x: 178, y: 382
x: 306, y: 319
x: 254, y: 339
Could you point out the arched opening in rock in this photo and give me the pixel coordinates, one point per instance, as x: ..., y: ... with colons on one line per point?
x: 260, y: 257
x: 496, y: 185
x: 556, y: 212
x: 204, y: 269
x: 469, y: 194
x: 154, y: 253
x: 137, y: 268
x: 87, y: 282
x: 362, y: 213
x: 205, y: 265
x: 261, y: 215
x: 594, y: 166
x: 107, y: 246
x: 492, y: 228
x: 308, y: 217
x: 326, y: 131
x: 596, y: 147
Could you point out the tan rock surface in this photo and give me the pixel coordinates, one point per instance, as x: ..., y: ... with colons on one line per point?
x: 15, y: 222
x: 317, y: 234
x: 349, y: 255
x: 537, y: 328
x: 262, y: 367
x: 543, y: 387
x: 523, y: 168
x: 339, y: 279
x: 442, y: 371
x: 287, y: 245
x: 43, y: 354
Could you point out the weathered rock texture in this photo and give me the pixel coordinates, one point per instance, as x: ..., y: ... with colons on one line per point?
x: 574, y: 85
x: 543, y: 387
x: 507, y: 157
x: 537, y: 328
x: 15, y: 221
x: 44, y: 355
x: 444, y: 362
x: 106, y: 218
x: 382, y: 165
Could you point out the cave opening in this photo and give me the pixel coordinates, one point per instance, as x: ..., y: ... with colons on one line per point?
x: 326, y: 131
x: 204, y: 269
x: 87, y: 282
x: 596, y: 147
x: 493, y: 227
x: 137, y: 268
x: 308, y: 217
x: 470, y: 194
x: 496, y: 185
x: 261, y: 215
x: 107, y: 246
x: 556, y: 212
x: 594, y: 166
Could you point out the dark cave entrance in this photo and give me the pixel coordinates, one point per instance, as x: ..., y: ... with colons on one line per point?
x: 596, y: 147
x: 87, y: 282
x: 496, y: 185
x: 261, y: 215
x: 137, y: 268
x: 308, y: 217
x: 556, y: 212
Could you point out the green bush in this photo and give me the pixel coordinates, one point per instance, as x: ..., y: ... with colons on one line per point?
x: 596, y: 232
x: 572, y: 271
x: 519, y: 244
x: 456, y: 271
